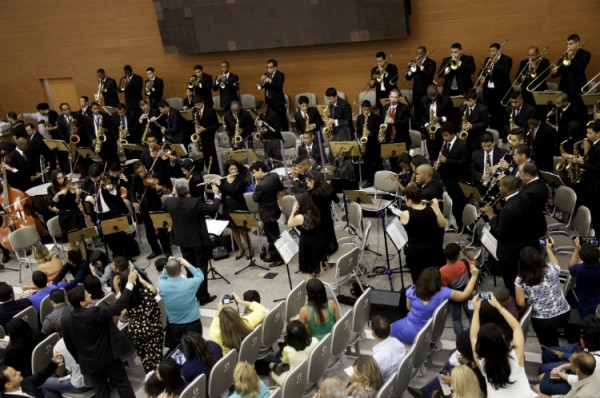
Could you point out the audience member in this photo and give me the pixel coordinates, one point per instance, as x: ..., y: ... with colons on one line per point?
x: 200, y: 356
x: 584, y: 365
x: 247, y: 384
x: 165, y: 382
x: 365, y: 379
x: 331, y: 387
x: 76, y: 266
x: 93, y: 286
x: 14, y: 385
x: 23, y: 339
x: 464, y: 383
x: 54, y: 386
x: 387, y: 351
x: 319, y: 314
x: 423, y: 299
x: 10, y: 307
x: 506, y: 300
x: 58, y: 301
x: 46, y: 262
x: 298, y: 348
x: 587, y: 273
x: 102, y: 269
x: 39, y: 289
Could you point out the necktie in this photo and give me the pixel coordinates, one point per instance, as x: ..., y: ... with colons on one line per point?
x: 25, y: 157
x: 470, y: 111
x: 123, y: 123
x: 446, y: 148
x: 393, y: 128
x: 488, y: 160
x: 309, y: 150
x: 304, y: 115
x: 200, y: 114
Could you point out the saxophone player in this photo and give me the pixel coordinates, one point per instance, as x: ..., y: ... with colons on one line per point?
x: 269, y: 123
x: 240, y: 117
x: 107, y: 89
x: 122, y: 124
x: 153, y: 88
x: 307, y: 114
x: 477, y: 118
x: 484, y: 161
x: 588, y: 190
x: 207, y: 125
x: 442, y: 109
x: 516, y: 114
x: 397, y: 117
x: 372, y: 156
x: 99, y: 125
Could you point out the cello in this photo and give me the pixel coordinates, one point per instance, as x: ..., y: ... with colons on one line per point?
x: 17, y: 211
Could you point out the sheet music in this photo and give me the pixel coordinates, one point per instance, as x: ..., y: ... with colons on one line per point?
x: 396, y: 211
x: 397, y: 233
x: 286, y: 246
x: 216, y: 227
x: 489, y: 241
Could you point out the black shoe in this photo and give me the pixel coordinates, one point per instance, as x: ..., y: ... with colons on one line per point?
x: 207, y: 300
x: 152, y: 255
x: 241, y: 255
x: 275, y: 264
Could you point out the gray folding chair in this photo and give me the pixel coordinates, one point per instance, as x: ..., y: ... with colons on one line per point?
x: 21, y: 240
x: 30, y: 316
x: 221, y: 375
x: 45, y: 308
x: 346, y: 248
x: 42, y: 353
x: 275, y: 392
x: 343, y: 270
x: 525, y: 321
x: 317, y: 362
x: 581, y: 224
x: 85, y: 394
x: 312, y: 99
x: 439, y: 323
x: 196, y: 389
x: 340, y: 337
x: 248, y: 101
x: 422, y: 347
x: 295, y: 382
x: 447, y: 209
x: 387, y: 389
x: 272, y: 328
x: 565, y: 199
x: 355, y: 225
x: 109, y: 299
x: 295, y: 300
x: 405, y: 373
x: 469, y: 215
x: 56, y: 234
x: 360, y: 317
x: 251, y: 345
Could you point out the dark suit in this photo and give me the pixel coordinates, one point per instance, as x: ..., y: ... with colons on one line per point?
x: 204, y: 89
x: 93, y: 339
x: 443, y: 109
x: 478, y: 162
x: 110, y: 92
x: 11, y: 308
x: 542, y: 142
x: 133, y: 93
x: 588, y: 191
x: 275, y: 98
x: 542, y: 67
x: 272, y: 134
x: 572, y: 78
x: 65, y: 127
x: 31, y: 384
x: 230, y: 92
x: 421, y: 79
x: 372, y: 155
x: 83, y: 125
x: 265, y: 194
x: 479, y: 119
x: 500, y: 78
x: 315, y: 152
x: 537, y: 193
x: 156, y: 92
x: 108, y: 150
x: 520, y: 120
x: 38, y: 148
x: 462, y: 75
x: 209, y: 120
x: 314, y: 117
x: 570, y: 127
x: 245, y: 121
x: 390, y: 75
x: 190, y: 233
x: 342, y: 112
x: 455, y: 169
x: 128, y: 124
x: 21, y: 179
x: 173, y: 122
x: 432, y: 189
x: 400, y: 125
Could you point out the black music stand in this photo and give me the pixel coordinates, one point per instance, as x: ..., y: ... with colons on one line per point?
x: 246, y: 220
x: 215, y: 230
x: 287, y: 249
x: 392, y: 150
x: 471, y: 193
x: 60, y: 146
x: 388, y: 270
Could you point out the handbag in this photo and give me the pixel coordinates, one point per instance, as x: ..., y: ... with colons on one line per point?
x: 219, y: 253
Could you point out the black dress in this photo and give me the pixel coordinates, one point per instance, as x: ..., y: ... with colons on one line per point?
x: 70, y: 217
x: 323, y: 203
x: 425, y: 241
x: 233, y: 194
x: 310, y: 250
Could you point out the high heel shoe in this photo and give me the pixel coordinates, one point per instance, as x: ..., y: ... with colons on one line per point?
x: 237, y: 257
x: 250, y: 254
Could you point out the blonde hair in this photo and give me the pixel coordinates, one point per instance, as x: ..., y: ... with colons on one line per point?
x: 367, y: 373
x: 464, y: 383
x: 233, y: 328
x: 246, y: 380
x: 40, y: 253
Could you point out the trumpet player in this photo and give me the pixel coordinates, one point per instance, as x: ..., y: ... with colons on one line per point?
x: 241, y: 118
x: 456, y: 71
x: 475, y: 118
x: 228, y: 85
x: 99, y: 125
x: 588, y: 190
x: 308, y: 118
x: 530, y: 68
x: 340, y: 116
x: 496, y: 83
x: 268, y: 127
x: 132, y: 93
x: 368, y: 122
x: 440, y: 106
x: 207, y: 124
x: 272, y: 82
x: 421, y: 71
x: 383, y: 78
x: 203, y: 85
x: 107, y: 89
x: 516, y: 114
x: 153, y: 88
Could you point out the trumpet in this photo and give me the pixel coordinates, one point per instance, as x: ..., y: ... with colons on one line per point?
x: 551, y: 112
x: 222, y: 81
x: 364, y: 138
x: 585, y: 90
x: 327, y: 129
x: 193, y: 82
x: 124, y: 83
x: 100, y: 90
x: 378, y: 76
x: 237, y: 137
x: 195, y: 138
x: 148, y: 87
x: 464, y: 134
x: 383, y: 127
x: 261, y: 83
x: 529, y: 71
x: 100, y: 137
x: 433, y: 127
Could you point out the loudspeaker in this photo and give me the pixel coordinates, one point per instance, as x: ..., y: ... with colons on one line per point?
x: 390, y: 305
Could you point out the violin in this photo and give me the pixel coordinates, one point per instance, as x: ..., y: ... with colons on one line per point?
x: 164, y: 154
x: 150, y: 181
x: 105, y: 181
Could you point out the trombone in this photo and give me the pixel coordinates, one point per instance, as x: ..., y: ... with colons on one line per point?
x: 529, y: 70
x: 487, y: 68
x: 193, y: 82
x: 412, y: 66
x: 378, y: 76
x: 565, y: 59
x: 585, y: 90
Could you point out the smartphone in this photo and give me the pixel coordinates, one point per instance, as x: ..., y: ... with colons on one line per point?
x: 542, y: 242
x: 485, y: 296
x: 592, y: 240
x: 227, y: 299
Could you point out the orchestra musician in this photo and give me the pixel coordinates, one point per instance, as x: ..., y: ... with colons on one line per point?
x: 456, y: 71
x: 153, y: 88
x: 310, y: 148
x: 536, y: 189
x: 387, y: 74
x: 109, y: 89
x: 268, y: 124
x: 188, y: 101
x: 45, y: 118
x: 272, y: 82
x: 496, y: 84
x: 534, y: 65
x: 203, y: 85
x: 123, y: 125
x: 159, y: 165
x: 477, y: 118
x: 228, y: 85
x: 21, y: 173
x: 372, y: 155
x: 119, y: 179
x: 133, y: 90
x: 147, y: 114
x: 440, y: 106
x: 566, y: 121
x: 518, y: 112
x: 421, y: 71
x: 541, y: 137
x: 340, y: 116
x: 171, y: 123
x: 99, y: 124
x: 192, y: 171
x: 298, y: 175
x: 307, y: 113
x: 240, y: 116
x: 38, y: 148
x: 207, y: 124
x: 430, y: 187
x: 396, y: 115
x: 484, y: 160
x: 83, y: 116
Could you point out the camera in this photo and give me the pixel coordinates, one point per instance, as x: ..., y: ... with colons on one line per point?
x: 542, y: 242
x: 228, y: 299
x: 485, y: 296
x: 592, y: 240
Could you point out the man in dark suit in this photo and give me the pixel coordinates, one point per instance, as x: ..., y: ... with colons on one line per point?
x: 203, y: 85
x: 268, y: 123
x: 133, y: 91
x: 440, y: 107
x: 534, y: 65
x: 572, y: 76
x: 94, y: 341
x: 387, y: 74
x: 207, y: 124
x: 541, y: 138
x: 511, y: 230
x: 516, y: 114
x: 453, y: 165
x: 476, y: 116
x: 99, y: 124
x: 430, y: 188
x: 21, y: 173
x: 496, y: 84
x: 368, y: 123
x: 308, y: 115
x: 309, y: 148
x: 421, y: 72
x: 456, y: 71
x: 13, y: 385
x: 268, y: 185
x: 65, y: 122
x: 484, y: 158
x: 171, y: 122
x: 238, y: 116
x: 38, y: 148
x: 9, y: 307
x: 147, y: 114
x: 588, y: 191
x: 109, y: 91
x: 153, y: 88
x: 83, y: 116
x: 228, y: 85
x: 123, y: 127
x: 272, y: 82
x: 190, y: 232
x: 340, y: 116
x: 567, y: 122
x: 536, y: 190
x: 397, y: 116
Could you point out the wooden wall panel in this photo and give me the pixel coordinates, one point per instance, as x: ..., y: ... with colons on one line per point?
x: 71, y: 38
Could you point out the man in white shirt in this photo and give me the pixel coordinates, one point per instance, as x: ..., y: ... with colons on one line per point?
x: 389, y: 351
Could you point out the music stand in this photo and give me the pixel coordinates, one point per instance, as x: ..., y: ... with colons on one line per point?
x: 246, y: 220
x: 132, y: 147
x: 241, y: 155
x: 187, y: 115
x: 359, y: 197
x: 287, y: 248
x: 590, y: 99
x: 88, y: 153
x: 338, y: 147
x: 161, y: 220
x: 178, y: 149
x: 553, y: 180
x: 215, y: 228
x: 543, y: 97
x: 392, y: 150
x: 81, y: 234
x: 60, y: 146
x: 392, y: 229
x: 457, y: 100
x: 114, y: 225
x: 470, y: 192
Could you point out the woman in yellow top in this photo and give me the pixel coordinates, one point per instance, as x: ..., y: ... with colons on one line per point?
x: 228, y: 328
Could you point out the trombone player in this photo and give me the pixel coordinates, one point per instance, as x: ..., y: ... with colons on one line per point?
x: 421, y: 71
x: 383, y: 78
x: 529, y: 69
x: 495, y: 79
x: 456, y: 71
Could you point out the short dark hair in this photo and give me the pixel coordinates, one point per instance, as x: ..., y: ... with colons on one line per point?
x: 198, y: 67
x: 120, y: 263
x: 595, y: 126
x: 198, y: 99
x: 272, y: 61
x: 42, y: 106
x: 303, y: 99
x: 589, y: 254
x: 519, y: 132
x: 6, y: 291
x: 574, y: 37
x: 456, y: 45
x: 516, y: 94
x: 160, y: 264
x: 585, y: 362
x: 258, y: 165
x: 127, y: 68
x: 57, y: 296
x: 251, y: 295
x: 94, y: 170
x: 530, y: 168
x: 470, y: 93
x: 331, y: 92
x: 495, y: 45
x: 121, y: 107
x: 39, y: 279
x: 366, y: 104
x: 590, y: 333
x: 149, y: 69
x: 297, y: 336
x: 380, y: 326
x: 76, y: 296
x: 85, y: 98
x: 93, y: 286
x: 162, y: 104
x: 423, y: 48
x: 448, y: 127
x: 510, y: 182
x: 380, y: 54
x: 100, y: 71
x: 260, y: 104
x: 74, y: 257
x: 413, y: 192
x: 225, y: 62
x: 523, y: 149
x: 452, y: 251
x: 487, y: 137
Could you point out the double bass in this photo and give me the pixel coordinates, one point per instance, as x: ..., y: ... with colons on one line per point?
x: 17, y: 211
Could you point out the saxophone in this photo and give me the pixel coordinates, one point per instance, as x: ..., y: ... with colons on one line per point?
x: 307, y: 126
x: 146, y: 129
x: 511, y: 120
x: 195, y: 138
x: 560, y: 168
x: 576, y: 170
x: 464, y: 134
x: 148, y: 87
x: 237, y: 136
x: 100, y: 137
x: 73, y: 137
x: 326, y: 129
x: 432, y: 128
x: 383, y: 127
x: 364, y: 138
x: 121, y: 141
x: 98, y: 95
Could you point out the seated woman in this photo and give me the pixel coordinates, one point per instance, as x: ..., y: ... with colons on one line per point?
x: 464, y: 383
x: 587, y: 273
x: 93, y: 286
x: 366, y: 378
x: 200, y: 356
x: 247, y: 383
x: 46, y: 262
x: 228, y: 328
x: 407, y: 170
x: 101, y: 268
x: 23, y: 340
x: 165, y: 382
x: 298, y: 348
x: 319, y: 314
x: 422, y: 300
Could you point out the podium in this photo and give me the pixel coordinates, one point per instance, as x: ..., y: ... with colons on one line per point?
x: 543, y: 98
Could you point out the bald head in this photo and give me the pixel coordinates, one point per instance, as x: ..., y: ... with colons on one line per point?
x: 22, y: 143
x: 423, y: 174
x: 584, y: 362
x: 173, y: 268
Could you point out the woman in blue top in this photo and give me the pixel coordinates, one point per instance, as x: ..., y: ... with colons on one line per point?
x: 422, y: 300
x: 200, y: 356
x: 319, y: 314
